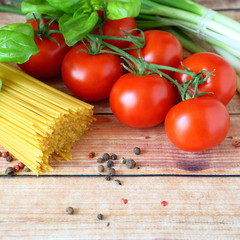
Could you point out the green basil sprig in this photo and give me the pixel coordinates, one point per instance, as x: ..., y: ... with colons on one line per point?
x: 76, y: 19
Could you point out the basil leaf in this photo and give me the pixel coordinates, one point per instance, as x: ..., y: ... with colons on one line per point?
x: 17, y: 43
x: 21, y: 28
x: 75, y: 27
x: 0, y: 84
x: 67, y: 6
x: 117, y: 9
x: 39, y: 6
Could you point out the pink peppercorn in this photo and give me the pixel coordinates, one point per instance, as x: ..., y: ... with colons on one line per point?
x: 91, y: 154
x: 164, y: 203
x: 16, y: 168
x: 5, y: 154
x: 125, y: 201
x: 21, y: 165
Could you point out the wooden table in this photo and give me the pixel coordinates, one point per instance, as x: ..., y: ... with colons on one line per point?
x: 202, y: 189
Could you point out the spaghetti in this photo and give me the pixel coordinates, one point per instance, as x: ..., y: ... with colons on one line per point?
x: 38, y: 122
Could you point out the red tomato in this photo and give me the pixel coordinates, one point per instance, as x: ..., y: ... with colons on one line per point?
x: 141, y: 101
x: 114, y: 28
x: 160, y: 48
x: 222, y: 83
x: 47, y: 62
x: 90, y: 77
x: 197, y: 124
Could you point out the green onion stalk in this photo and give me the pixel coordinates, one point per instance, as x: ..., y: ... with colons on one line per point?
x: 12, y: 6
x: 184, y: 17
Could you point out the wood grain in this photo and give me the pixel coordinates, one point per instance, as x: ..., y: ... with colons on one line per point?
x: 158, y: 155
x: 34, y: 208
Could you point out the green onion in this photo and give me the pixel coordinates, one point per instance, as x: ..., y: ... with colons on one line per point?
x: 197, y: 20
x: 10, y: 9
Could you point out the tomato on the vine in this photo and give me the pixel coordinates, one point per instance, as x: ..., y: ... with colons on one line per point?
x: 114, y: 28
x: 160, y: 48
x: 47, y: 62
x: 197, y: 124
x: 90, y: 77
x: 222, y: 83
x: 141, y: 101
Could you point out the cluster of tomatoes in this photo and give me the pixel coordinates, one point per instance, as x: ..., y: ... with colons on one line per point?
x: 143, y: 101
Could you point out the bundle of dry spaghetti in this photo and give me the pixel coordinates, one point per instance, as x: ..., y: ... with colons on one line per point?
x: 38, y: 122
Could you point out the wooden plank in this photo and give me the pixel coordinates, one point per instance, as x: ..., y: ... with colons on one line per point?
x: 198, y: 208
x: 103, y: 106
x: 224, y: 4
x: 158, y: 156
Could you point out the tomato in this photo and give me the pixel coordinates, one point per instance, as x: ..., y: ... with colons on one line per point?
x: 141, y: 101
x: 47, y: 62
x: 222, y: 83
x: 197, y: 124
x: 160, y: 48
x: 114, y: 28
x: 90, y: 77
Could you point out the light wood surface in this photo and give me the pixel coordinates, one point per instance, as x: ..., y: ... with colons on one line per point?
x: 202, y: 189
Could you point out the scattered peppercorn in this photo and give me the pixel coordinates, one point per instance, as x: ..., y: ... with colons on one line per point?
x: 122, y: 160
x: 125, y: 201
x: 0, y: 154
x: 108, y: 178
x: 236, y: 143
x: 130, y: 163
x: 21, y: 165
x: 111, y: 171
x: 118, y: 182
x: 137, y: 150
x: 113, y: 156
x: 26, y: 169
x: 5, y: 154
x: 9, y: 158
x: 69, y: 210
x: 100, y: 168
x: 9, y: 171
x: 164, y: 203
x: 105, y: 156
x: 99, y: 160
x: 100, y: 216
x: 16, y: 168
x: 91, y: 154
x: 110, y: 163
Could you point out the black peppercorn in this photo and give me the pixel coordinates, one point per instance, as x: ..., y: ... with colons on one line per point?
x: 9, y: 171
x: 100, y: 168
x: 113, y: 156
x: 137, y: 150
x: 130, y: 163
x: 69, y: 210
x: 9, y: 158
x: 0, y: 154
x: 110, y: 163
x: 100, y: 216
x: 118, y: 182
x: 111, y: 171
x: 108, y: 178
x: 105, y: 156
x: 99, y: 160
